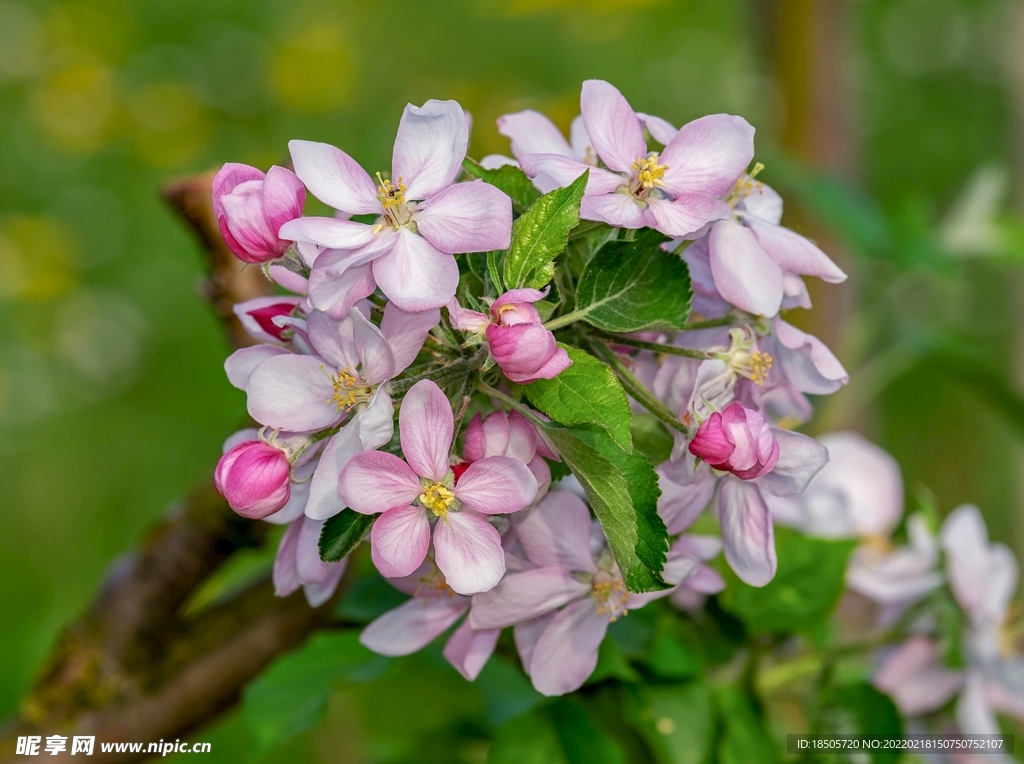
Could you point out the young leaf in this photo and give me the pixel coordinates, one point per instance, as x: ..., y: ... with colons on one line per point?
x: 508, y: 178
x: 623, y: 491
x: 635, y: 285
x: 540, y: 235
x: 342, y: 533
x: 585, y: 393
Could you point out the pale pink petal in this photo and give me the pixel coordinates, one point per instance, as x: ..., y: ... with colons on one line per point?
x: 375, y: 481
x: 290, y: 280
x: 522, y: 438
x: 800, y: 459
x: 555, y: 365
x: 706, y: 580
x: 324, y: 500
x: 494, y: 161
x: 524, y: 596
x: 257, y: 316
x: 466, y: 320
x: 913, y: 676
x: 747, y: 533
x: 615, y: 209
x: 292, y: 392
x: 613, y: 127
x: 466, y: 217
x: 412, y: 625
x: 513, y: 296
x: 764, y: 203
x: 333, y: 177
x: 318, y: 592
x: 468, y: 551
x: 794, y: 252
x: 399, y: 540
x: 661, y: 130
x: 533, y: 133
x: 239, y: 365
x: 336, y: 284
x: 970, y: 559
x: 430, y: 147
x: 681, y: 504
x: 332, y: 340
x: 557, y: 533
x: 526, y: 635
x: 286, y: 574
x: 708, y: 155
x: 686, y: 214
x: 376, y: 359
x: 329, y: 232
x: 566, y: 652
x: 806, y: 362
x: 496, y: 485
x: 582, y: 148
x: 468, y: 650
x: 415, y: 275
x: 551, y: 171
x: 475, y: 442
x: 427, y: 427
x: 406, y: 332
x: 311, y: 568
x: 744, y: 275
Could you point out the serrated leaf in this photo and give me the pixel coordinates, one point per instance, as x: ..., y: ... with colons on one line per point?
x: 342, y: 533
x: 494, y: 269
x: 623, y: 491
x: 540, y: 235
x: 508, y: 178
x: 585, y: 393
x: 635, y: 285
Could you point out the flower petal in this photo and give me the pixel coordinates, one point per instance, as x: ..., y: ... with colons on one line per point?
x: 794, y: 252
x: 806, y: 362
x: 744, y: 274
x: 375, y: 481
x: 468, y: 650
x: 913, y: 676
x: 681, y: 504
x: 415, y: 275
x: 686, y: 214
x: 613, y: 127
x: 430, y: 147
x: 566, y: 652
x: 615, y: 209
x: 970, y: 558
x: 466, y: 217
x: 286, y: 574
x: 551, y: 171
x: 406, y: 332
x: 292, y: 392
x: 329, y: 232
x: 427, y: 427
x: 533, y: 133
x: 324, y: 501
x: 412, y: 625
x: 496, y: 485
x: 707, y: 155
x: 376, y: 359
x: 800, y: 458
x: 283, y: 197
x: 557, y: 533
x: 399, y: 540
x: 333, y: 177
x: 524, y: 596
x: 336, y: 288
x: 747, y: 533
x: 468, y: 551
x: 239, y: 365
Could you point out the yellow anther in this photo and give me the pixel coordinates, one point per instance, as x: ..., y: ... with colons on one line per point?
x: 649, y: 172
x: 745, y: 185
x: 433, y: 585
x: 760, y: 365
x: 437, y: 499
x: 612, y: 597
x: 348, y: 392
x: 390, y: 194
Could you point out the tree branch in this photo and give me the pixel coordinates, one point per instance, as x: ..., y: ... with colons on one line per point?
x: 135, y: 667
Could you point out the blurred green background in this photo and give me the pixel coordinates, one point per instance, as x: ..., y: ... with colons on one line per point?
x: 893, y: 127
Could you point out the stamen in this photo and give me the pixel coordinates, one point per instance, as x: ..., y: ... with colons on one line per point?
x: 760, y: 365
x: 745, y: 185
x: 437, y: 499
x: 648, y: 172
x: 348, y: 392
x: 390, y: 195
x: 612, y: 597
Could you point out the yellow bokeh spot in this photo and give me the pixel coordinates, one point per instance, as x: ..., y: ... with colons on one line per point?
x: 74, y: 104
x: 36, y: 258
x: 172, y: 125
x: 313, y: 68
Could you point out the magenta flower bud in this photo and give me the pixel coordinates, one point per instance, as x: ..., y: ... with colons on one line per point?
x: 255, y: 478
x: 737, y: 440
x: 519, y: 343
x: 251, y: 208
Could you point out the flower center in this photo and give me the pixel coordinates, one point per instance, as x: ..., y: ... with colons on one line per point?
x: 433, y: 585
x: 437, y: 499
x: 349, y: 390
x: 745, y: 185
x: 648, y: 175
x: 744, y: 360
x: 392, y: 198
x: 611, y: 595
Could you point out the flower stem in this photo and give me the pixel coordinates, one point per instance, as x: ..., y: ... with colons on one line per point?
x: 441, y: 374
x: 655, y: 346
x: 565, y: 320
x: 711, y: 323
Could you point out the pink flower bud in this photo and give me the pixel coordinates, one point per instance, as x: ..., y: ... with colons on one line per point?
x: 251, y: 208
x: 737, y: 440
x: 255, y: 479
x: 519, y: 343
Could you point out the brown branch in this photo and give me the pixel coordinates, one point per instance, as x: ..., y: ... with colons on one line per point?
x: 135, y: 667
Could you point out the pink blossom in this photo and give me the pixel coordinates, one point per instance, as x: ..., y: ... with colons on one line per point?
x: 412, y: 493
x: 738, y: 441
x: 503, y: 433
x: 518, y: 341
x: 533, y: 133
x: 423, y: 216
x: 675, y: 192
x: 251, y: 208
x: 298, y: 564
x: 255, y: 478
x: 433, y: 608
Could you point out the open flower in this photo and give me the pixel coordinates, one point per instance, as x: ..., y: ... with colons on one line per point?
x: 675, y: 192
x: 423, y: 217
x: 251, y: 208
x: 412, y: 494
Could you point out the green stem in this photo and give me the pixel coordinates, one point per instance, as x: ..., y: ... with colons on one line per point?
x: 710, y: 323
x: 655, y: 346
x: 440, y: 374
x: 486, y: 389
x: 565, y: 320
x: 640, y: 393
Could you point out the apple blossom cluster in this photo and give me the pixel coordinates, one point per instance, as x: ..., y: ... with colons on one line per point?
x: 516, y: 318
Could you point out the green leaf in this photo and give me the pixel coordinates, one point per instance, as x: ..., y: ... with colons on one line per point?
x: 675, y: 721
x: 860, y: 709
x: 744, y: 740
x: 342, y: 533
x: 527, y: 739
x: 585, y: 393
x: 623, y: 491
x: 806, y: 588
x: 540, y: 235
x: 510, y: 179
x: 291, y: 696
x: 494, y: 269
x: 583, y: 739
x: 635, y: 285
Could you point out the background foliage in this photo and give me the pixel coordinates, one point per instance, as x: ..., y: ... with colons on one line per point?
x: 112, y: 398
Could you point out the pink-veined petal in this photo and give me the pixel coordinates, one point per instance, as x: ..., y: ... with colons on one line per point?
x: 292, y: 392
x: 430, y: 147
x: 661, y: 130
x: 318, y: 592
x: 427, y: 427
x: 686, y: 214
x: 376, y: 359
x: 557, y: 533
x: 681, y: 504
x: 551, y: 171
x: 708, y: 155
x: 283, y: 197
x: 524, y: 596
x: 239, y: 365
x: 468, y: 551
x: 532, y: 133
x: 333, y: 177
x: 744, y: 275
x: 800, y: 458
x: 375, y: 481
x: 329, y: 232
x: 613, y: 127
x: 795, y: 253
x: 399, y: 541
x: 566, y: 652
x: 412, y: 625
x: 806, y: 362
x: 526, y: 635
x: 286, y: 574
x: 496, y: 485
x: 415, y: 275
x: 466, y: 217
x: 406, y: 332
x: 468, y: 649
x: 620, y: 210
x: 747, y: 533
